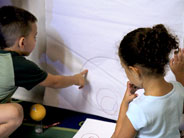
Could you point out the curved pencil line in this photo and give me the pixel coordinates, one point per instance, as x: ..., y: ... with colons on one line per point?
x: 102, y: 57
x: 87, y: 60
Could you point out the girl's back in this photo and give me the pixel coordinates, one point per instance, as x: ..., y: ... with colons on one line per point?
x: 157, y: 117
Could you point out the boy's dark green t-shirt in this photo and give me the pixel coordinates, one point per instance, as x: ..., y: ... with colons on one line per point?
x: 16, y: 71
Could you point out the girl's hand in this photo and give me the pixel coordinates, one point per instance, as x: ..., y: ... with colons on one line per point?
x: 130, y: 93
x: 177, y: 66
x: 177, y: 63
x: 133, y: 88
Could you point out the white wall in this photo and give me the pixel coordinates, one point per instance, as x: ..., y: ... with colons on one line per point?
x: 85, y: 34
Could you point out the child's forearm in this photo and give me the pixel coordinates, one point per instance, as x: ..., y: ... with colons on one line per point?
x: 63, y: 81
x: 122, y: 114
x: 58, y: 81
x: 123, y: 122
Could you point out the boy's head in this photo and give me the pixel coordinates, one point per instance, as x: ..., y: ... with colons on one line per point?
x: 15, y: 23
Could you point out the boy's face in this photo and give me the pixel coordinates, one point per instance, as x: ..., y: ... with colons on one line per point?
x: 30, y: 40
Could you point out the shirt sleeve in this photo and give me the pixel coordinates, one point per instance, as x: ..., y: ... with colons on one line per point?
x: 136, y: 116
x: 27, y: 73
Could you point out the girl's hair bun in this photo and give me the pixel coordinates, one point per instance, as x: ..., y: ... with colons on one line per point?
x: 148, y: 47
x: 159, y: 36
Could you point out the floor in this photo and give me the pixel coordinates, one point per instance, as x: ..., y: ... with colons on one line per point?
x: 58, y: 123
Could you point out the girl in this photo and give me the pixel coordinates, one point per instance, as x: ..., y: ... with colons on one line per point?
x: 144, y: 54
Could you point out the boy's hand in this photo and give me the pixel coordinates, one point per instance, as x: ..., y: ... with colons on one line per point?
x: 177, y: 65
x: 130, y: 93
x: 80, y: 78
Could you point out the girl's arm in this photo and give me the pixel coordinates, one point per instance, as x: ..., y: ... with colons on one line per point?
x: 124, y: 128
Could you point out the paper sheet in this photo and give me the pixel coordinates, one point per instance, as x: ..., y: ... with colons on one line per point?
x: 95, y: 129
x: 85, y: 34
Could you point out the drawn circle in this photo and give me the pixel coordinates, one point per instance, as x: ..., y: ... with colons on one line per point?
x: 106, y: 94
x: 107, y: 101
x: 90, y: 135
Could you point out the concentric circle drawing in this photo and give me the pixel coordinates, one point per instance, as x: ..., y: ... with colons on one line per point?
x: 107, y: 100
x: 102, y: 91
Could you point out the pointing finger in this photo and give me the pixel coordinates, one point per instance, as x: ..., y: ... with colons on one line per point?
x: 84, y: 72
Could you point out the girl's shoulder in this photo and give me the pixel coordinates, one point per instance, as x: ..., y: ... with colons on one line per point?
x: 177, y: 84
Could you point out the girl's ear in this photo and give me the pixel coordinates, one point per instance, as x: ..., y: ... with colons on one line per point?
x: 135, y: 70
x: 21, y: 43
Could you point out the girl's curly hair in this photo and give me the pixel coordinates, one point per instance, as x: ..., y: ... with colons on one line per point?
x: 148, y: 48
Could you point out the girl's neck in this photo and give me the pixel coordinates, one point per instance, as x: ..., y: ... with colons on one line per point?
x: 156, y: 86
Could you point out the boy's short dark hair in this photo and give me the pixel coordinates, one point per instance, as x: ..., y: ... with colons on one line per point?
x: 14, y: 23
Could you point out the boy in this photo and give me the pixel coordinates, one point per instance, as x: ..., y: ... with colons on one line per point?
x: 17, y: 39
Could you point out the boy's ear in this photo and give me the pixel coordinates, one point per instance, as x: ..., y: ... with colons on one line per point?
x: 21, y: 42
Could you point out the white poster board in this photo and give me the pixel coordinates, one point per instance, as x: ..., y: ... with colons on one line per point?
x: 85, y: 34
x: 93, y: 129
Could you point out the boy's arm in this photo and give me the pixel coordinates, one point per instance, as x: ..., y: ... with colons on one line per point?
x: 124, y: 127
x: 59, y: 81
x: 177, y: 66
